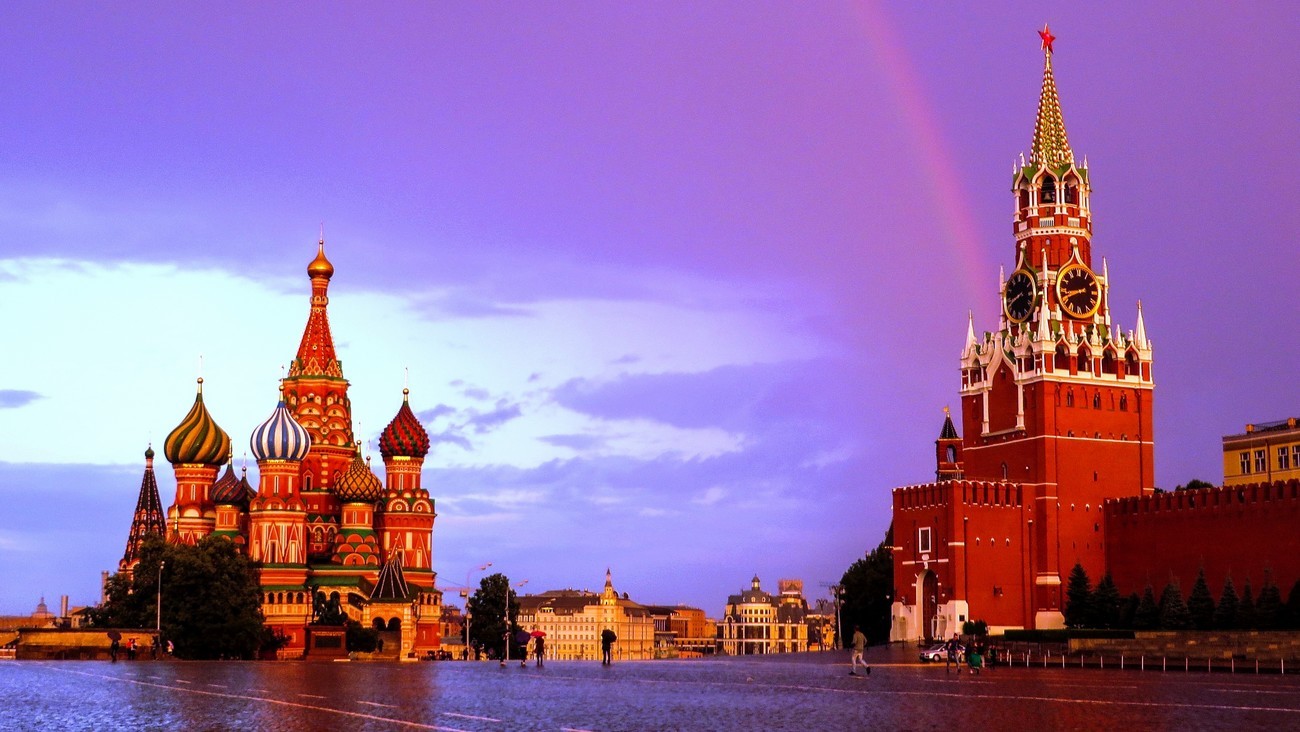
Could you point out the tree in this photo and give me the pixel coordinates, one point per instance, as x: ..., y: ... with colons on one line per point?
x: 868, y: 587
x: 1293, y: 607
x: 1128, y: 611
x: 1193, y: 485
x: 1147, y: 615
x: 1246, y: 619
x: 211, y: 601
x: 1269, y: 610
x: 1107, y: 605
x: 1173, y: 611
x: 1078, y: 599
x: 1200, y: 604
x: 1225, y: 615
x: 487, y: 606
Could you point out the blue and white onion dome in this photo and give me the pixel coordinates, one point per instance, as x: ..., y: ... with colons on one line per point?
x: 280, y: 437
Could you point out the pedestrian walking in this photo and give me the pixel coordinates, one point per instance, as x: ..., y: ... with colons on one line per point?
x: 539, y: 648
x: 607, y: 640
x: 112, y: 649
x: 859, y: 647
x: 953, y: 647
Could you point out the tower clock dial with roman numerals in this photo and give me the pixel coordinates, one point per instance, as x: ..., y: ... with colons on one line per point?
x: 1077, y: 291
x: 1020, y: 296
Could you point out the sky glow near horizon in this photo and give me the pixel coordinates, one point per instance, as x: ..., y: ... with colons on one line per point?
x: 681, y: 289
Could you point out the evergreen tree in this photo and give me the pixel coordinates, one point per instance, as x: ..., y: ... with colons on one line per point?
x: 1225, y: 615
x: 1293, y: 607
x: 1269, y: 610
x: 1246, y: 610
x: 1128, y: 611
x: 1201, y: 603
x: 487, y: 606
x: 1147, y: 614
x: 1078, y: 599
x: 1173, y: 611
x: 868, y: 586
x: 211, y: 601
x: 1107, y: 605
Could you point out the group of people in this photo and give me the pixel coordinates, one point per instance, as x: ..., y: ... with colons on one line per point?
x: 977, y: 653
x: 133, y: 648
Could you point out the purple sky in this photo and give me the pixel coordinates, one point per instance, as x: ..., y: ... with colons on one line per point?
x: 682, y: 289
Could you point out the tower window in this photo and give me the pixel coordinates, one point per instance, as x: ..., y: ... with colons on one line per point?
x: 1069, y: 402
x: 923, y: 539
x: 1096, y: 401
x: 1047, y: 194
x: 1261, y: 461
x: 1123, y: 402
x: 952, y: 454
x: 1245, y: 463
x: 1283, y: 459
x: 1004, y: 471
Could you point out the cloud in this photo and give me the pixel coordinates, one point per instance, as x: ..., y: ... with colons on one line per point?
x: 710, y: 496
x: 574, y: 442
x: 429, y: 415
x: 14, y: 398
x: 488, y: 421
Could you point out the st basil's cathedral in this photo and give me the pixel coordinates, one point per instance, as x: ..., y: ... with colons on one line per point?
x: 320, y: 520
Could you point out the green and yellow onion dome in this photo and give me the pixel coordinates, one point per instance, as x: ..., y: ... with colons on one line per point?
x: 280, y: 437
x: 404, y: 436
x: 358, y: 484
x: 197, y: 440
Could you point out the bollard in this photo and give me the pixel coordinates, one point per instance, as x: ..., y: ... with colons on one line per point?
x: 1164, y: 664
x: 1080, y: 660
x: 1121, y: 662
x: 1062, y: 660
x: 1232, y: 664
x: 1142, y: 663
x: 1187, y: 664
x: 1256, y: 665
x: 1103, y: 661
x: 1208, y: 667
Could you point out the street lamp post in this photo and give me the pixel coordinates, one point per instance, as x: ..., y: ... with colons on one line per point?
x: 158, y: 608
x: 521, y: 583
x: 465, y: 593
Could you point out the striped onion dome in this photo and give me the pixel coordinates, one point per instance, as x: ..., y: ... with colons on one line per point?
x: 197, y: 440
x: 229, y: 490
x: 280, y: 437
x: 358, y: 484
x: 404, y: 436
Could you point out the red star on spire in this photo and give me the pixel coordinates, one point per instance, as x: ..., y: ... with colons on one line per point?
x: 1046, y: 35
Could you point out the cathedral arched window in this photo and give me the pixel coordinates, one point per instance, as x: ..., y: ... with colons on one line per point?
x: 1024, y: 198
x: 1108, y: 363
x: 1069, y: 192
x: 1062, y: 360
x: 306, y: 482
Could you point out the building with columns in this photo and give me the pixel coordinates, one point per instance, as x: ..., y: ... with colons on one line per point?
x: 574, y: 619
x: 320, y: 522
x: 757, y: 622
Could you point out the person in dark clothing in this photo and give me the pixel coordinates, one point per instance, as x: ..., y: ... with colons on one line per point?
x: 112, y: 650
x: 539, y: 646
x: 607, y: 639
x: 953, y: 647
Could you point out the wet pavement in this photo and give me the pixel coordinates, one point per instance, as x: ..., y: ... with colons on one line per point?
x: 804, y: 692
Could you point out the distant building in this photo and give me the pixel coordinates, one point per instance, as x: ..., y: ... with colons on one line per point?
x: 574, y: 619
x: 695, y: 634
x: 821, y: 625
x: 757, y: 622
x: 1266, y: 452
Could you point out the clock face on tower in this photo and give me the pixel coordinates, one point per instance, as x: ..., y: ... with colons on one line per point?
x: 1021, y: 296
x: 1077, y: 291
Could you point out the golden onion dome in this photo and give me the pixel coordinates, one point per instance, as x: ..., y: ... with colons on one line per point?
x: 320, y: 266
x: 358, y: 484
x: 197, y: 440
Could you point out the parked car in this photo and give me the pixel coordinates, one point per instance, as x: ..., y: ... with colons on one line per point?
x: 939, y: 653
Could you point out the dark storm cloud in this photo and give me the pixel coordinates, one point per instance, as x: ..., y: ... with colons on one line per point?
x: 484, y: 422
x: 14, y: 398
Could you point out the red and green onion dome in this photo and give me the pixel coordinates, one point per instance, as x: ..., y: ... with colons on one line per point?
x: 197, y: 440
x: 404, y: 436
x: 280, y: 437
x: 358, y: 484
